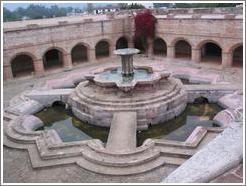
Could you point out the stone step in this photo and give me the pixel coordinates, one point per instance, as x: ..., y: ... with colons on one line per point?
x: 174, y: 160
x: 7, y: 116
x: 152, y: 100
x: 13, y: 136
x: 109, y: 106
x: 120, y: 171
x: 90, y: 95
x: 177, y: 152
x: 121, y: 161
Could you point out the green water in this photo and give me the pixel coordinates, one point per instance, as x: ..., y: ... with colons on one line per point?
x: 179, y: 128
x: 69, y: 128
x: 115, y: 74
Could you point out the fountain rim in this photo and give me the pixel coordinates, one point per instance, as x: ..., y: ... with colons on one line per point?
x: 126, y: 51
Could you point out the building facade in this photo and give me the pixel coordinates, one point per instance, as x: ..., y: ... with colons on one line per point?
x: 35, y: 47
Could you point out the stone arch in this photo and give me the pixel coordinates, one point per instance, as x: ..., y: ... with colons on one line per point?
x: 22, y: 64
x: 182, y: 48
x: 53, y: 58
x: 121, y: 43
x: 211, y: 52
x: 237, y: 55
x: 159, y: 47
x: 79, y: 53
x: 175, y: 40
x: 102, y: 49
x: 201, y: 99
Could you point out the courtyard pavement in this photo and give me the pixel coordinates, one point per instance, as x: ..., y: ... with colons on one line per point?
x: 16, y: 163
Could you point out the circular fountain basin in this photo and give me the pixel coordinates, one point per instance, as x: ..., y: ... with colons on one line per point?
x: 155, y: 98
x: 151, y: 94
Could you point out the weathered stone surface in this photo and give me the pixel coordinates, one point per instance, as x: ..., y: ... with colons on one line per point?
x: 122, y: 135
x: 220, y: 155
x: 48, y: 97
x: 26, y: 107
x: 31, y: 123
x: 231, y: 101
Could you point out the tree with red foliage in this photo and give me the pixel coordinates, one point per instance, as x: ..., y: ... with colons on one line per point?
x: 144, y: 28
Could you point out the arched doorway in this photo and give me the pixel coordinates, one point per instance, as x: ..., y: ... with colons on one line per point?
x: 121, y: 43
x: 139, y: 44
x: 53, y: 58
x: 79, y: 54
x: 102, y: 49
x: 159, y: 47
x: 211, y: 52
x: 22, y: 65
x: 237, y: 59
x: 182, y: 49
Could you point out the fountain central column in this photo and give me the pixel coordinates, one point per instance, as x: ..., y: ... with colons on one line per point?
x: 127, y: 65
x: 127, y: 60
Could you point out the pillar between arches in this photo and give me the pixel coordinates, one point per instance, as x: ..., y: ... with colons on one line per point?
x: 92, y: 55
x: 130, y: 44
x: 170, y: 51
x: 7, y: 72
x: 38, y: 67
x: 196, y: 55
x: 67, y: 61
x: 226, y: 59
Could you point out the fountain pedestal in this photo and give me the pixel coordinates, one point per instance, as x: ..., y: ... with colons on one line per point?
x: 127, y: 60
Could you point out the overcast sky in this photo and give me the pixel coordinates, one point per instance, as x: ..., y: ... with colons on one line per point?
x: 13, y: 6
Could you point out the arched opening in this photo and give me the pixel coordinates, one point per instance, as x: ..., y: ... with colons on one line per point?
x: 121, y: 43
x: 201, y: 100
x: 102, y: 49
x: 22, y: 65
x: 211, y: 52
x: 79, y: 54
x: 237, y: 60
x: 182, y: 49
x: 139, y: 44
x: 53, y: 58
x: 59, y: 103
x: 159, y: 47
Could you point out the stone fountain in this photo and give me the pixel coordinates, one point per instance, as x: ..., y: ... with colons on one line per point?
x: 151, y: 93
x: 127, y: 60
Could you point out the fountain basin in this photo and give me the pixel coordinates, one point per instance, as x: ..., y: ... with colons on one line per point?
x: 153, y: 103
x: 151, y: 94
x: 112, y: 77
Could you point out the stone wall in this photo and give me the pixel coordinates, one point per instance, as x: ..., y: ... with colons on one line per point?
x: 34, y: 38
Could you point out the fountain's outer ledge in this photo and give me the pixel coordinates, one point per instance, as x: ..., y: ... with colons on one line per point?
x: 129, y: 86
x: 155, y: 100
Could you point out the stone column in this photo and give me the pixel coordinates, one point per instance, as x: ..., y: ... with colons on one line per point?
x: 226, y: 59
x: 196, y: 55
x: 131, y: 44
x: 111, y: 49
x: 92, y: 55
x: 170, y: 51
x: 7, y: 72
x: 39, y: 67
x: 67, y: 61
x: 150, y: 48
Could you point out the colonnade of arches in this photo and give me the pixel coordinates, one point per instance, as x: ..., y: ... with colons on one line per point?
x: 208, y: 51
